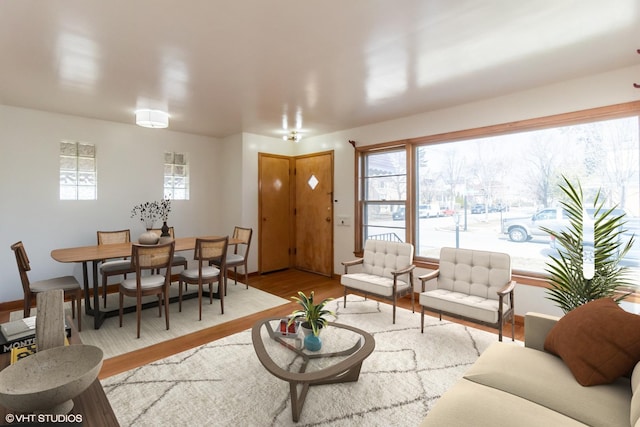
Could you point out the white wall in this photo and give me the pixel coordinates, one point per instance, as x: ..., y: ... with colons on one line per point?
x: 130, y: 171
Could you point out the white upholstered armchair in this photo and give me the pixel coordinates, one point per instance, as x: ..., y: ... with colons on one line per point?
x: 473, y: 285
x: 387, y: 272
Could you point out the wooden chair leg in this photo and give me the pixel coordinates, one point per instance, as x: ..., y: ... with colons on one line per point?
x: 246, y: 276
x: 180, y: 294
x: 78, y: 297
x: 413, y: 304
x: 220, y: 291
x: 104, y: 290
x: 200, y: 300
x: 166, y: 308
x: 121, y: 307
x: 139, y: 313
x: 26, y: 311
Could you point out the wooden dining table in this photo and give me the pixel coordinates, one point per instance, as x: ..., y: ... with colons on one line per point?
x: 96, y: 253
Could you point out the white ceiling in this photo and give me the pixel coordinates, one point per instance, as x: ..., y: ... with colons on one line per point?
x: 221, y: 67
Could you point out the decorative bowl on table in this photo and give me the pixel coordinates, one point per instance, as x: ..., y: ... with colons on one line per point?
x: 46, y: 382
x: 148, y: 238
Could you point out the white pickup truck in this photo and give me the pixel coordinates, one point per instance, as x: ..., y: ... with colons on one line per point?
x: 523, y: 229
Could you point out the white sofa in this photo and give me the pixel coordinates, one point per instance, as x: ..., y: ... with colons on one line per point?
x: 510, y: 385
x: 387, y: 272
x: 473, y: 285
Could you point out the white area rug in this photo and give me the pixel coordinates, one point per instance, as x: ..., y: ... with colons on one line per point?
x: 223, y: 383
x: 114, y: 340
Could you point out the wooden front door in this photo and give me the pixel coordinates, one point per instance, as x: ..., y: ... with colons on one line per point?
x: 314, y: 213
x: 275, y: 210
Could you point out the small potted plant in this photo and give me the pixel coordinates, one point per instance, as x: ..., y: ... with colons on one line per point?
x: 313, y: 317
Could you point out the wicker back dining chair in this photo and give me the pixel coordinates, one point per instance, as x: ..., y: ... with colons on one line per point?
x: 116, y: 266
x: 240, y: 255
x: 207, y: 251
x: 148, y: 257
x: 178, y: 260
x: 68, y: 284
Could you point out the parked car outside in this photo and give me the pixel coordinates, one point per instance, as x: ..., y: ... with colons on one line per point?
x: 428, y: 211
x: 479, y: 208
x: 446, y: 211
x: 498, y: 207
x: 398, y: 215
x: 525, y: 228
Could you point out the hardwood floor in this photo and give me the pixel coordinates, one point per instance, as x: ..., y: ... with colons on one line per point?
x: 284, y: 284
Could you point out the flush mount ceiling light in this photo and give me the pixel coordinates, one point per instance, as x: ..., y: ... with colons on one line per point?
x: 152, y: 119
x: 293, y: 136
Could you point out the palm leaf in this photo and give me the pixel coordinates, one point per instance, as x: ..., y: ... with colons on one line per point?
x: 568, y: 288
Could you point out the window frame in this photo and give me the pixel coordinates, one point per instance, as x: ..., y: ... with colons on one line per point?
x: 628, y: 109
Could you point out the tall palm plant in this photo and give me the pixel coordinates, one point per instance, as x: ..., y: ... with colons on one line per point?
x: 568, y: 286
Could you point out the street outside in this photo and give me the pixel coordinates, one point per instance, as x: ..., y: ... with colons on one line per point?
x: 483, y: 231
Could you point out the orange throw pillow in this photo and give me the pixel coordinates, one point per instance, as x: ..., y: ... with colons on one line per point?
x: 598, y: 341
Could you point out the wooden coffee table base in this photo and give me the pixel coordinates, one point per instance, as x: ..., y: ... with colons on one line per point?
x: 346, y: 368
x: 297, y: 400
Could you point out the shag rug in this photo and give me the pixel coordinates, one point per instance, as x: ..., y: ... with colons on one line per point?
x: 114, y: 340
x: 222, y: 383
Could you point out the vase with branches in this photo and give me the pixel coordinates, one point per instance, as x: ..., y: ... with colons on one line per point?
x: 150, y: 212
x: 570, y: 287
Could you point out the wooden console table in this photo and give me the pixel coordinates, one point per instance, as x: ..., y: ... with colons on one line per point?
x: 92, y: 404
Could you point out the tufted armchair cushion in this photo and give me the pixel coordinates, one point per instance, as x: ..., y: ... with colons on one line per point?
x: 471, y: 284
x: 382, y: 257
x: 476, y: 273
x: 387, y: 271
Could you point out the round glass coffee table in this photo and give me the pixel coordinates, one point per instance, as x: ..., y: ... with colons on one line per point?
x: 284, y: 356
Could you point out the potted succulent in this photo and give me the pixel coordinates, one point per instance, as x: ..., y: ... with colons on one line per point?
x: 313, y: 317
x: 576, y: 275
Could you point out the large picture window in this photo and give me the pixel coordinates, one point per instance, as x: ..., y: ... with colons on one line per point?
x: 494, y: 192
